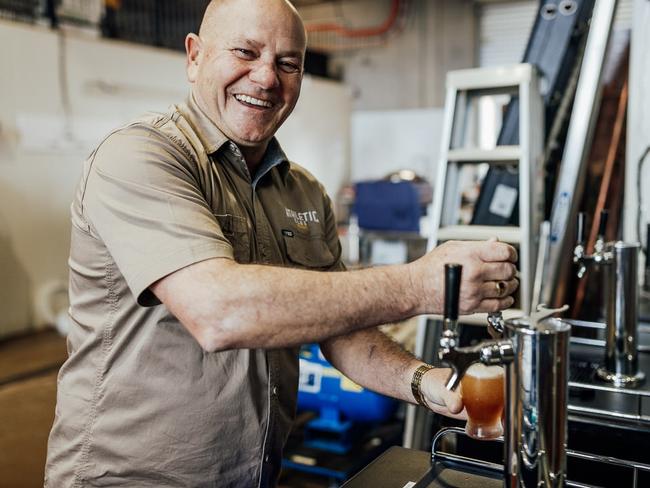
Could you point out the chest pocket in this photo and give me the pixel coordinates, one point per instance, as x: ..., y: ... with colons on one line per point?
x: 308, y: 252
x: 235, y: 229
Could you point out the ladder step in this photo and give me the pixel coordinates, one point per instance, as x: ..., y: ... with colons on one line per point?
x: 509, y: 234
x: 500, y: 153
x: 489, y: 78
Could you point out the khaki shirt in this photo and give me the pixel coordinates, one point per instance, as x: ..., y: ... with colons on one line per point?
x: 139, y: 402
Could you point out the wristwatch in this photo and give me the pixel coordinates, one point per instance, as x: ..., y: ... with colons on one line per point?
x: 416, y: 382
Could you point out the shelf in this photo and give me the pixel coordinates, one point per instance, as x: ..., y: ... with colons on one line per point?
x: 391, y: 235
x: 509, y: 234
x: 500, y: 153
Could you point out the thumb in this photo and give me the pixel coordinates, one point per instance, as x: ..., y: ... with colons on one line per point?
x: 439, y: 398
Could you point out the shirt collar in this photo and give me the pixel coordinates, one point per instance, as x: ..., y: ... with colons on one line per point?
x: 206, y: 130
x: 274, y: 156
x: 213, y: 139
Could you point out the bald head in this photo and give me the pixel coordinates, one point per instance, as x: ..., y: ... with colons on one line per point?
x: 246, y: 68
x: 219, y: 12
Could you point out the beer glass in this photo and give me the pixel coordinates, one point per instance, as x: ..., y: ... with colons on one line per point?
x: 482, y: 389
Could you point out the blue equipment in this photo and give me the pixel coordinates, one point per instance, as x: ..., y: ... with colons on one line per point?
x: 387, y: 205
x: 343, y: 405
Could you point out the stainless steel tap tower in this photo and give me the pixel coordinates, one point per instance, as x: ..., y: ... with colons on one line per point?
x: 620, y: 261
x: 536, y: 403
x: 535, y: 353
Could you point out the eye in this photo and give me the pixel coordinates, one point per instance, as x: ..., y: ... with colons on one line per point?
x: 289, y: 67
x: 244, y: 53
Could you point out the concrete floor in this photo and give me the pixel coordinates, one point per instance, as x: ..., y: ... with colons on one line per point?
x: 28, y: 370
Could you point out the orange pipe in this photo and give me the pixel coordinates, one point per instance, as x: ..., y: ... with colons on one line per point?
x: 362, y: 32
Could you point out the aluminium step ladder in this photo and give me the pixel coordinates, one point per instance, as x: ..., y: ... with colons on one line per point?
x: 460, y: 148
x: 464, y: 90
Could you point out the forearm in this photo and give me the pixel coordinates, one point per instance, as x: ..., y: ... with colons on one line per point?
x: 226, y: 305
x: 369, y: 357
x: 373, y: 360
x: 249, y: 306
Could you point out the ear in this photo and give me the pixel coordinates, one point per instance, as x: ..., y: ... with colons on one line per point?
x: 193, y: 51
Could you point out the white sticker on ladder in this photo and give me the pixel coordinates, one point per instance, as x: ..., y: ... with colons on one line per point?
x: 503, y: 201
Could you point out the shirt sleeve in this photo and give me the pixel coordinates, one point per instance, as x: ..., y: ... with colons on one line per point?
x: 142, y: 198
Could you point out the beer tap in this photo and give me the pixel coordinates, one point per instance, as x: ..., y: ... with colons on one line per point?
x: 620, y: 263
x: 460, y: 358
x: 579, y: 250
x: 601, y: 254
x: 535, y: 353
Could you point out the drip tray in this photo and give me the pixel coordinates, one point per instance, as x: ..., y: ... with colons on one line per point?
x: 406, y: 468
x: 589, y: 396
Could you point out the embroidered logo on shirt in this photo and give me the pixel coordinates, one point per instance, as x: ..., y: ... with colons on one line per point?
x: 302, y: 219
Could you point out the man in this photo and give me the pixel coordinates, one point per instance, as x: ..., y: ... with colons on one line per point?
x: 201, y: 258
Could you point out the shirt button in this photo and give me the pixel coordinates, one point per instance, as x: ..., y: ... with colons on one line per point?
x: 275, y: 390
x: 267, y: 458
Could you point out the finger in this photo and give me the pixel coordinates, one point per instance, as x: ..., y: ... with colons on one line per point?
x: 462, y: 415
x: 498, y: 271
x: 499, y: 288
x: 438, y: 397
x: 492, y: 251
x: 453, y: 401
x: 451, y: 405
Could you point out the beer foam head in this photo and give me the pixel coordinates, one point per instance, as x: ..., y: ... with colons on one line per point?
x: 480, y: 370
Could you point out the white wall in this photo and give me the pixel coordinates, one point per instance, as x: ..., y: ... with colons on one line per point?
x: 398, y: 82
x: 386, y: 141
x: 43, y: 142
x: 406, y: 70
x: 317, y: 134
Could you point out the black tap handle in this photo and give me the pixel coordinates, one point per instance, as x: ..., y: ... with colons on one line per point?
x: 602, y: 225
x: 581, y: 229
x: 452, y: 290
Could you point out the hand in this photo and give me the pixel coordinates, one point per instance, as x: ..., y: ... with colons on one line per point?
x: 440, y: 399
x: 488, y: 277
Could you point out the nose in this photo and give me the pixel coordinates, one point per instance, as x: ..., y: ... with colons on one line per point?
x: 265, y: 75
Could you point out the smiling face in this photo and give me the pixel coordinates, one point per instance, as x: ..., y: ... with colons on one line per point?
x: 246, y: 67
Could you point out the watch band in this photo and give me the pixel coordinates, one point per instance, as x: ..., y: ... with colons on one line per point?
x: 416, y: 382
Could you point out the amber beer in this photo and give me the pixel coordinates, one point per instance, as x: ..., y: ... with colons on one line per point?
x: 482, y: 390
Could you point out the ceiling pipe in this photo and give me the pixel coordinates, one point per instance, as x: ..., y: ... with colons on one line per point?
x: 379, y: 30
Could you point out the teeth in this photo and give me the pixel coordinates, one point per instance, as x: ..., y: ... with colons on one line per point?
x: 253, y: 101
